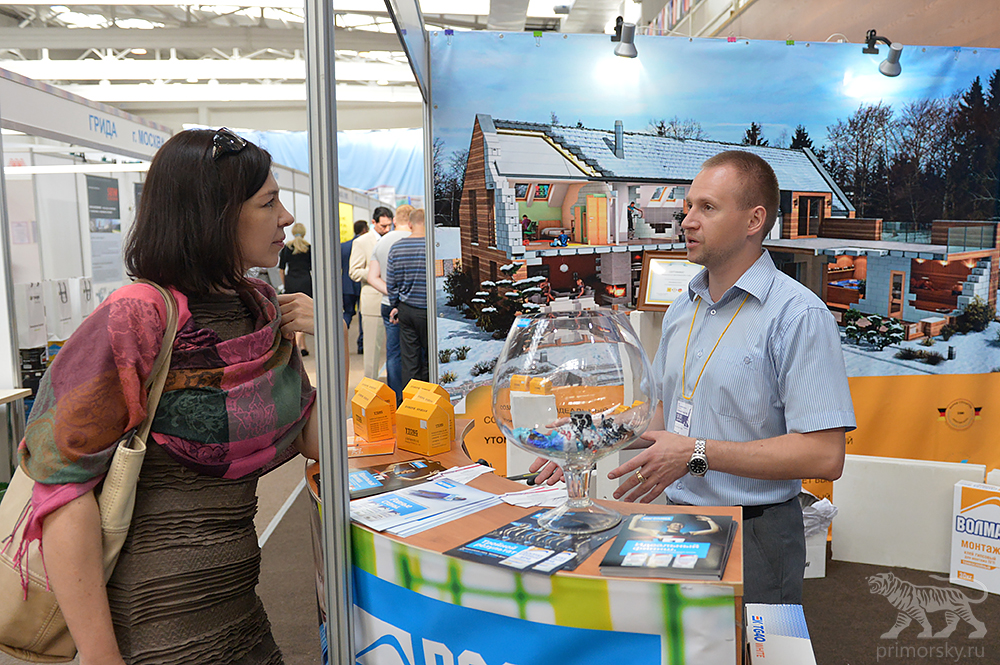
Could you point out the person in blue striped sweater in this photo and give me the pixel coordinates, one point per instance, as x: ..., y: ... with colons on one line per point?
x: 406, y: 282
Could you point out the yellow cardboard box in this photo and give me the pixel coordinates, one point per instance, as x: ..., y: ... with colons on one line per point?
x: 444, y: 402
x: 519, y: 382
x: 540, y: 385
x: 415, y: 384
x: 422, y: 427
x: 374, y: 410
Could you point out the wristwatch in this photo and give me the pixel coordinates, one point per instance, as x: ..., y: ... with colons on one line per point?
x: 698, y: 464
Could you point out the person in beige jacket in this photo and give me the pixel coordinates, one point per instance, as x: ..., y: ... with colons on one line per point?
x: 370, y: 307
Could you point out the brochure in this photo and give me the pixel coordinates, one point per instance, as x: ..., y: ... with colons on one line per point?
x: 671, y: 545
x: 391, y: 510
x: 388, y: 477
x: 524, y: 545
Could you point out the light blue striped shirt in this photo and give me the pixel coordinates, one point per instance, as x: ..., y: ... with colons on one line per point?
x: 778, y: 369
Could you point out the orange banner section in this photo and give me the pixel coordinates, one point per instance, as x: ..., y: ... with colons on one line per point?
x: 942, y: 418
x: 938, y: 418
x: 588, y: 398
x: 485, y: 440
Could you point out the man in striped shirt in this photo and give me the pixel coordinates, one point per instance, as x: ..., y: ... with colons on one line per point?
x: 749, y: 381
x: 406, y: 282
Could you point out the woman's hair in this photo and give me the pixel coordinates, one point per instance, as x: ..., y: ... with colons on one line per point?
x: 298, y: 242
x: 186, y: 231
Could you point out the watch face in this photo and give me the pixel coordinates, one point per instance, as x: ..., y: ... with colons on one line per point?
x: 697, y: 466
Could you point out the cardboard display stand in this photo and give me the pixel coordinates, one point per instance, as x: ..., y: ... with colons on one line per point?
x: 975, y: 536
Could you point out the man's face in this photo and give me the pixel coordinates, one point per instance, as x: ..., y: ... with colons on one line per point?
x: 715, y: 228
x: 382, y: 225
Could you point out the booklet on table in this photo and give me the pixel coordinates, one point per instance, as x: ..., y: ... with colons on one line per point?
x: 393, y: 510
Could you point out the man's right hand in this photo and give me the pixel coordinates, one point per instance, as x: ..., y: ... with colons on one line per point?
x: 549, y: 473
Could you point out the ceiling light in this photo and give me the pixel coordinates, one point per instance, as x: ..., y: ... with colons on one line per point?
x: 138, y: 51
x: 890, y: 66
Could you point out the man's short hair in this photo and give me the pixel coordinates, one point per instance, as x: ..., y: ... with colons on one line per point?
x: 380, y: 212
x: 403, y: 213
x: 417, y: 217
x: 360, y: 226
x: 759, y: 184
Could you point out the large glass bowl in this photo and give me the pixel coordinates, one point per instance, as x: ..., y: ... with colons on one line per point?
x: 569, y: 387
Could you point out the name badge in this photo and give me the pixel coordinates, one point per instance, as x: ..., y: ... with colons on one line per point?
x: 682, y: 417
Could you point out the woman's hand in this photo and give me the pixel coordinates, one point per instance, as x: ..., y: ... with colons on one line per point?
x: 296, y: 314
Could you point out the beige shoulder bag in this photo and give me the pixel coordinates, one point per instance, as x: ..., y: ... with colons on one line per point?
x: 32, y: 627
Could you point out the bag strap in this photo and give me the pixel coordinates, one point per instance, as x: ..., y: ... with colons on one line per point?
x: 158, y: 377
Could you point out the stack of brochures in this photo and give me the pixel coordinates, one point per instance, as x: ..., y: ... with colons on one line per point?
x: 671, y: 545
x: 417, y: 508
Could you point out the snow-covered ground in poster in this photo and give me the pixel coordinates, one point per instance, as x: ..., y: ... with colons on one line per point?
x: 454, y: 331
x: 975, y: 353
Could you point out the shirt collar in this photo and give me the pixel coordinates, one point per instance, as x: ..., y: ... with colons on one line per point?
x: 757, y: 281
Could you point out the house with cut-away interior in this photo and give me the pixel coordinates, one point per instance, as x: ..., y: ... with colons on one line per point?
x: 529, y: 184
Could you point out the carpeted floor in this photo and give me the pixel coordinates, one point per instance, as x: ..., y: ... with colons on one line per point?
x: 846, y: 620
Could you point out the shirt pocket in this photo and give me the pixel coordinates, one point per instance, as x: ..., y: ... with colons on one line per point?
x: 741, y: 385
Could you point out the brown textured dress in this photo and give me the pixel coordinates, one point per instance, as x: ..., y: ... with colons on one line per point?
x: 183, y: 590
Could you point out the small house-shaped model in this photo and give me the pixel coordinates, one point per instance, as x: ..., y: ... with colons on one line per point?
x: 373, y: 409
x: 423, y: 427
x: 444, y: 402
x: 415, y: 385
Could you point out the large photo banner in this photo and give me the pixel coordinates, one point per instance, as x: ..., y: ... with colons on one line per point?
x: 558, y: 165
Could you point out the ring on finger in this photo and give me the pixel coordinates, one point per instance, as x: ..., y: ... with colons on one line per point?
x: 639, y: 476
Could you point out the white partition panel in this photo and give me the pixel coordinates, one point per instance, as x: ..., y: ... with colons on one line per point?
x: 897, y: 512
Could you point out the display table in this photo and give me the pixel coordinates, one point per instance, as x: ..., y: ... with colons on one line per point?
x: 416, y: 605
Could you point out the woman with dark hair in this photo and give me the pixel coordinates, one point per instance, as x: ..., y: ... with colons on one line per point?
x: 237, y: 404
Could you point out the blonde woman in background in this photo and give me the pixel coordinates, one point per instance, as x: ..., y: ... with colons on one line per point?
x: 295, y: 263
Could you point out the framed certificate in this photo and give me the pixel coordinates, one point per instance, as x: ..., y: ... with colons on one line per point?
x: 665, y: 276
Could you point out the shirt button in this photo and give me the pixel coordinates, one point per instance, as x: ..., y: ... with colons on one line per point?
x: 712, y: 312
x: 699, y: 354
x: 680, y: 485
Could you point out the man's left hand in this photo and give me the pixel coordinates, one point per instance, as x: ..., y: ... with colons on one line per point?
x: 296, y: 314
x: 663, y: 462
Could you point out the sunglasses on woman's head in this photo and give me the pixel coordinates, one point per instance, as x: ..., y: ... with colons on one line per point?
x: 225, y: 142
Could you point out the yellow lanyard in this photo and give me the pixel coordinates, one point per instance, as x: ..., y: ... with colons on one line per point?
x: 684, y: 365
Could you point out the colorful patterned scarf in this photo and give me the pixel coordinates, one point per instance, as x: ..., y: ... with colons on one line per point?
x: 229, y: 408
